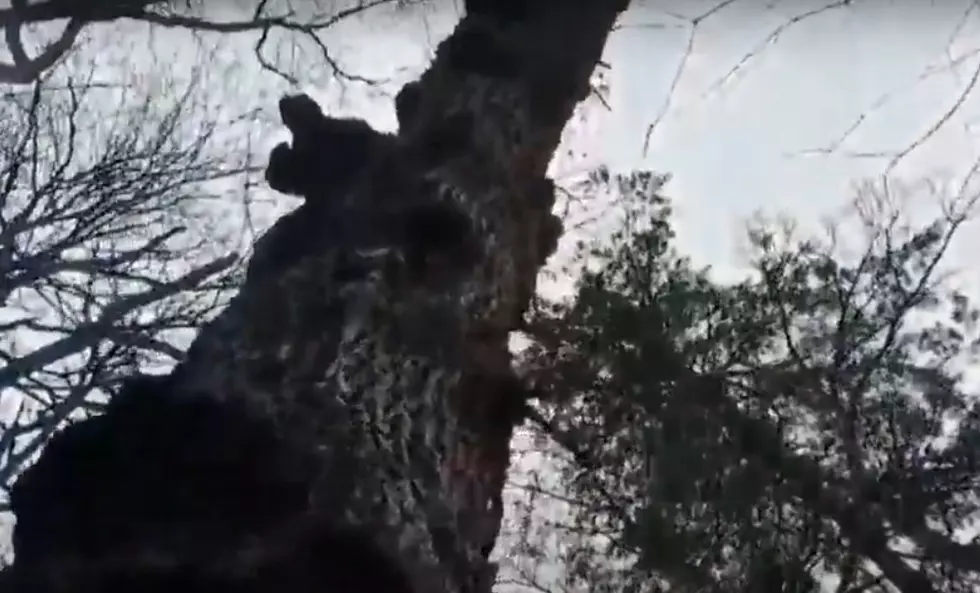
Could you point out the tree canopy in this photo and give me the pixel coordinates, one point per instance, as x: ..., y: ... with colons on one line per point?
x: 812, y: 422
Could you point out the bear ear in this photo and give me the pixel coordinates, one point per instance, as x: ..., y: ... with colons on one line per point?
x: 299, y: 112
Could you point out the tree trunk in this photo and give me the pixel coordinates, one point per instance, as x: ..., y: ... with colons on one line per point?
x: 394, y: 393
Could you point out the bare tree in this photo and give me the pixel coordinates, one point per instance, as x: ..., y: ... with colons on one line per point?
x: 259, y: 18
x: 103, y: 265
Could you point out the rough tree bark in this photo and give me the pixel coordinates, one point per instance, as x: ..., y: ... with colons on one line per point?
x: 393, y: 393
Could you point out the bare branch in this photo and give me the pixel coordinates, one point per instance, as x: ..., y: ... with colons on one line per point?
x: 939, y: 123
x: 263, y: 19
x: 88, y: 333
x: 679, y: 70
x: 24, y: 69
x: 100, y: 270
x: 771, y: 39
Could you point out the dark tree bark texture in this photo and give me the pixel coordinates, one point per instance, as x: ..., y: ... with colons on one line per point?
x: 351, y: 411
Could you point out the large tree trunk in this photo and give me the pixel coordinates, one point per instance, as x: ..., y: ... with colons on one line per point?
x: 394, y: 395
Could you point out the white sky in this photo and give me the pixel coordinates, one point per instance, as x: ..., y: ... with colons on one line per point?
x: 738, y: 148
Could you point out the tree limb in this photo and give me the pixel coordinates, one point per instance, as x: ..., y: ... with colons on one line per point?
x: 87, y: 333
x: 24, y: 69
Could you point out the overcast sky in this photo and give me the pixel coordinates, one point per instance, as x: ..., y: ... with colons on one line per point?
x: 737, y: 147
